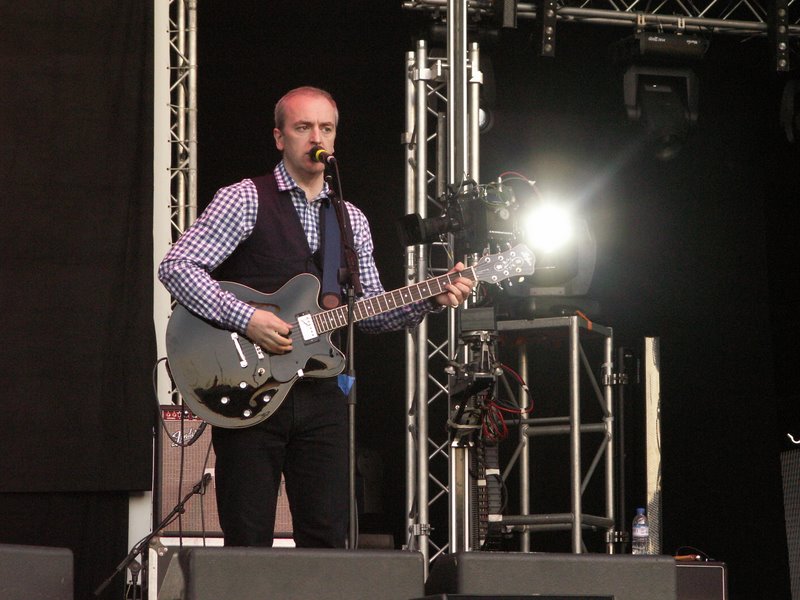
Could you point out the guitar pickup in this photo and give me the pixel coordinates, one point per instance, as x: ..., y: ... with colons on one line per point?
x: 307, y: 329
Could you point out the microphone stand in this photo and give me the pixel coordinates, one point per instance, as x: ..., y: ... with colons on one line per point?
x: 352, y: 282
x: 130, y: 560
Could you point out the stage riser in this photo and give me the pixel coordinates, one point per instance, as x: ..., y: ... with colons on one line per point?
x: 296, y: 574
x: 623, y: 577
x: 35, y: 573
x: 304, y: 574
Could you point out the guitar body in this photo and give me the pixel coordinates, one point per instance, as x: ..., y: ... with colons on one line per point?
x: 230, y: 382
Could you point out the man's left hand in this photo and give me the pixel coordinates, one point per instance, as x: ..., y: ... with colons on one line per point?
x: 457, y: 292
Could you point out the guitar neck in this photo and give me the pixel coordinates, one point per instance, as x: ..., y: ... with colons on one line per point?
x: 335, y: 318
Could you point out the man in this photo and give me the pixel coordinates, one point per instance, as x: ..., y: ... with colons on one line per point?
x: 261, y: 232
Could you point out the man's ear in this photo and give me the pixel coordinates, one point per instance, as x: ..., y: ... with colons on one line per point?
x: 278, y: 135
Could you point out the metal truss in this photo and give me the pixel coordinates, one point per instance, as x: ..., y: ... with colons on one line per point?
x: 183, y: 121
x: 183, y: 109
x: 446, y: 468
x: 441, y: 143
x: 442, y: 95
x: 740, y: 17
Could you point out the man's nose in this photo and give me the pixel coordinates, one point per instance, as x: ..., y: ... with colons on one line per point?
x: 316, y: 134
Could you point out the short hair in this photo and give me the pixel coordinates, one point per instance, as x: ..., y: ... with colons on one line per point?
x: 280, y: 106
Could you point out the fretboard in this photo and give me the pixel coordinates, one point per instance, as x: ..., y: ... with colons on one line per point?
x: 369, y: 307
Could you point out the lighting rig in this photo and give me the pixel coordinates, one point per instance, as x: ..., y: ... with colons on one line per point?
x: 485, y: 218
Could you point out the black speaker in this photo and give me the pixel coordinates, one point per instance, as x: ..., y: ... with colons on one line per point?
x: 623, y: 577
x: 296, y: 574
x: 513, y: 597
x: 790, y: 470
x: 35, y: 573
x: 702, y: 581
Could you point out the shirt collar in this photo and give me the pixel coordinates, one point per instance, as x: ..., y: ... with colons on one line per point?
x: 287, y: 183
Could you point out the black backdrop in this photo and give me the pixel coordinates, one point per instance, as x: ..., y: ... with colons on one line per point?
x: 76, y: 239
x: 699, y: 251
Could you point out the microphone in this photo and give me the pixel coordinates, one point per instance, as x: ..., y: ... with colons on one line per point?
x: 320, y: 155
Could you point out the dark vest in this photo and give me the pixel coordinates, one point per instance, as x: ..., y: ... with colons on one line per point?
x: 276, y: 250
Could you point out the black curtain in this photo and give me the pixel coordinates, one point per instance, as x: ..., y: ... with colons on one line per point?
x: 76, y: 274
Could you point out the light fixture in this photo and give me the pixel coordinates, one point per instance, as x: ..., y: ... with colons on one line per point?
x: 564, y: 246
x: 665, y: 101
x: 661, y: 90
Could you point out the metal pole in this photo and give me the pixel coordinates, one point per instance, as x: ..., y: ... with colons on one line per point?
x: 608, y: 392
x: 421, y: 77
x: 192, y: 113
x: 575, y: 434
x: 525, y: 453
x: 474, y: 85
x: 411, y: 431
x: 457, y: 138
x: 457, y: 171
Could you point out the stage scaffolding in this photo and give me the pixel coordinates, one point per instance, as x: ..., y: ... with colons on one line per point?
x: 441, y: 142
x: 442, y: 147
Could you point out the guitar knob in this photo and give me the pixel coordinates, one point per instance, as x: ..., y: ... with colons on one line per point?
x: 242, y: 384
x: 247, y: 413
x: 266, y: 398
x: 224, y: 400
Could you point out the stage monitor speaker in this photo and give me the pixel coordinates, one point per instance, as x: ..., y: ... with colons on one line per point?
x: 623, y: 577
x: 790, y: 471
x: 512, y: 597
x: 702, y: 581
x: 35, y: 573
x: 200, y: 517
x: 296, y: 574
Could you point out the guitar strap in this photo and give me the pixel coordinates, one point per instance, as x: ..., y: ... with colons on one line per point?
x: 331, y: 249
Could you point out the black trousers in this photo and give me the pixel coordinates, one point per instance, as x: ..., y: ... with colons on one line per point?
x: 306, y: 440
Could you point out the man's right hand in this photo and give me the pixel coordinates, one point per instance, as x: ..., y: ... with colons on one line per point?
x: 269, y: 332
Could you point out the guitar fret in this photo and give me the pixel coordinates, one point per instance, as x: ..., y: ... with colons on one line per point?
x: 385, y: 306
x: 398, y: 298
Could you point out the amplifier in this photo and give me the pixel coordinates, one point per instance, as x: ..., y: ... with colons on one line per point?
x: 702, y: 581
x: 181, y: 468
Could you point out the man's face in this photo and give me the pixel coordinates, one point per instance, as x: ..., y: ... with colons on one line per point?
x: 310, y: 120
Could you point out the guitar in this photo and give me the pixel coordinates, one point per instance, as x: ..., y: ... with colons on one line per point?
x: 229, y: 381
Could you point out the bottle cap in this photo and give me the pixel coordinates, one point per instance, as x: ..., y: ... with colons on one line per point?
x: 639, y: 511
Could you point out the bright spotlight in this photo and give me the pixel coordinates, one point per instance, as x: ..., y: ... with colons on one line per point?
x: 548, y: 228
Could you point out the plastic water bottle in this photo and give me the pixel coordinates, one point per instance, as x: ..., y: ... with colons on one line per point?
x: 641, y: 533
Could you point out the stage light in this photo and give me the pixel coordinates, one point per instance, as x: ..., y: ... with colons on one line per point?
x: 665, y: 101
x: 565, y: 251
x: 661, y: 91
x: 548, y: 228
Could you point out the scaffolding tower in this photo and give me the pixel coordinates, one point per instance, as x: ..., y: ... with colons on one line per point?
x: 441, y: 143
